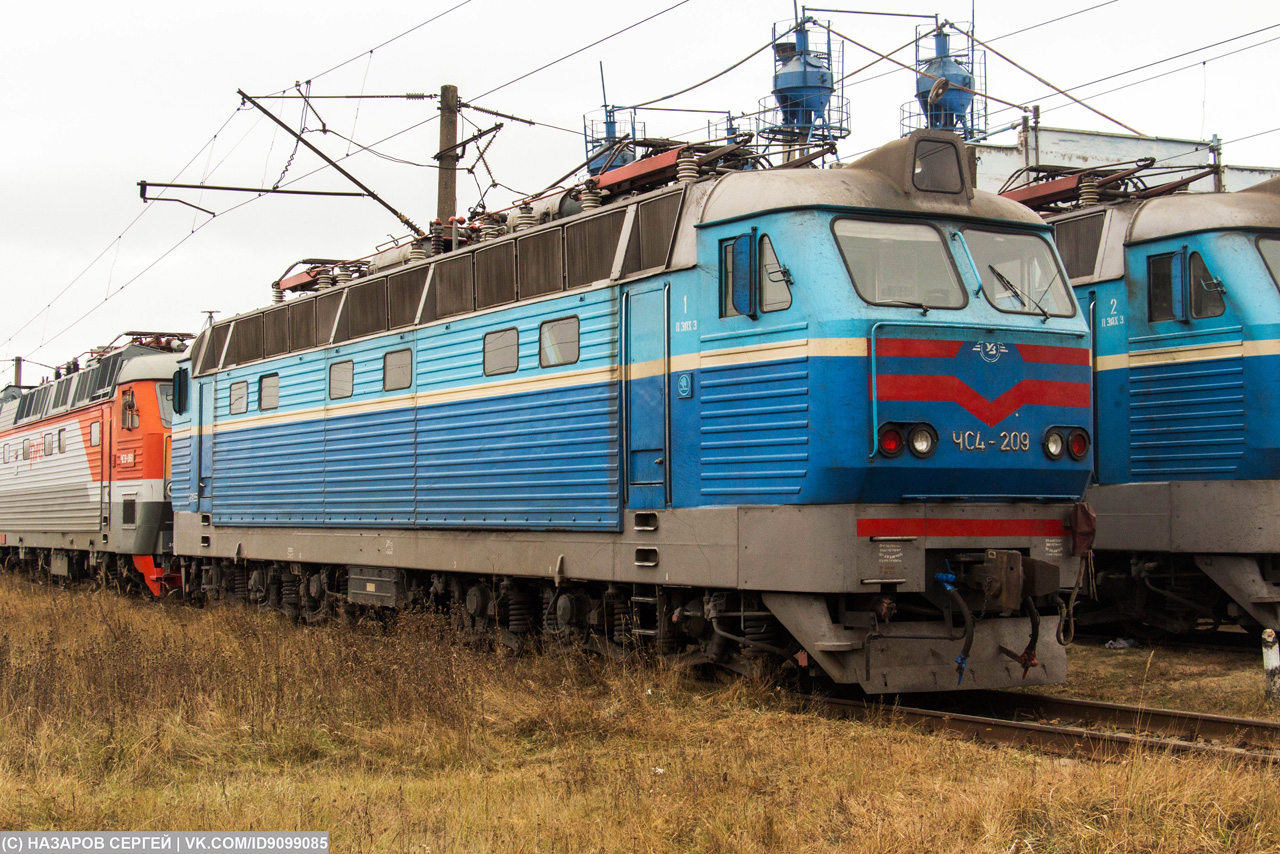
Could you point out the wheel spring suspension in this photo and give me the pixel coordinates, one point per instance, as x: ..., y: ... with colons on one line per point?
x: 240, y: 584
x: 522, y: 615
x: 619, y: 616
x: 761, y: 628
x: 289, y: 589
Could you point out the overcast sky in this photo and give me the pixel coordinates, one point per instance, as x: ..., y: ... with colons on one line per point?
x: 101, y: 95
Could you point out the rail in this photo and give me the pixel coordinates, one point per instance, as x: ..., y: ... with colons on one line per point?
x: 1074, y: 727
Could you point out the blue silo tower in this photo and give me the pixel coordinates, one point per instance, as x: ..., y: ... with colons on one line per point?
x: 808, y: 98
x: 949, y: 78
x: 602, y: 129
x: 950, y: 111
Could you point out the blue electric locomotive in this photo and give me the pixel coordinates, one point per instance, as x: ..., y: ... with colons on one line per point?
x: 836, y: 415
x: 1181, y: 292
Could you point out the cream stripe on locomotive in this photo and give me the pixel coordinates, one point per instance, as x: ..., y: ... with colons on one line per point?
x: 1190, y: 353
x: 770, y: 351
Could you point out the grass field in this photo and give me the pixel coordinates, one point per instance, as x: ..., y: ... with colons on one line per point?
x: 117, y: 714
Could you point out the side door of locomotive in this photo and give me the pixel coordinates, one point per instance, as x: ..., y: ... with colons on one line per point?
x: 645, y: 368
x: 202, y: 436
x: 100, y: 445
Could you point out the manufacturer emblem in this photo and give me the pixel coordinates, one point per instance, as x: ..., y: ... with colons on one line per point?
x: 684, y: 385
x: 989, y: 350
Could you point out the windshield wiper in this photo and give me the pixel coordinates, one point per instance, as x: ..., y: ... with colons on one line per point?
x: 924, y: 309
x: 1043, y: 311
x: 1042, y: 308
x: 1008, y: 285
x: 1018, y: 294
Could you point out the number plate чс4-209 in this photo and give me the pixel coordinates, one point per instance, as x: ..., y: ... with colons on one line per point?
x: 972, y: 440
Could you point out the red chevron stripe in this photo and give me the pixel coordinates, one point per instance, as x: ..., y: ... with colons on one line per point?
x: 944, y: 389
x: 961, y: 528
x: 1054, y: 355
x: 921, y: 347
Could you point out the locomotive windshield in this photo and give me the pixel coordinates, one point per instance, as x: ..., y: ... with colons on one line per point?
x: 1270, y: 249
x: 898, y: 263
x: 1019, y: 273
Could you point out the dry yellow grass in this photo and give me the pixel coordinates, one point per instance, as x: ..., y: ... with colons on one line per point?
x: 1223, y: 681
x: 122, y: 715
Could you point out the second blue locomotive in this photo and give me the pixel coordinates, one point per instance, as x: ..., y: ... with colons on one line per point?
x: 1183, y: 293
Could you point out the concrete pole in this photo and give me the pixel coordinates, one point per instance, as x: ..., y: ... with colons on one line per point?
x: 1215, y: 147
x: 447, y: 200
x: 17, y: 371
x: 1271, y: 664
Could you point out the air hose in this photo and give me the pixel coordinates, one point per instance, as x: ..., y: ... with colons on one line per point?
x: 947, y: 580
x: 1067, y: 612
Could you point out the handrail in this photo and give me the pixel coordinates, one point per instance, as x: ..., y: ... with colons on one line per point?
x: 667, y: 468
x: 624, y: 411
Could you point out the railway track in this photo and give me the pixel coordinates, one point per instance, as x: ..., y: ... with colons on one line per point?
x: 1083, y: 729
x: 1219, y: 641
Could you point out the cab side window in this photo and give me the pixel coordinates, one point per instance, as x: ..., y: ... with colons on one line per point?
x: 1164, y: 301
x: 768, y: 282
x: 1206, y: 290
x: 775, y: 279
x: 727, y: 308
x: 1176, y: 282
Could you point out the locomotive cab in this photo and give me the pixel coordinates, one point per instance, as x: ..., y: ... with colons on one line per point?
x: 84, y: 477
x: 1183, y: 295
x: 922, y: 397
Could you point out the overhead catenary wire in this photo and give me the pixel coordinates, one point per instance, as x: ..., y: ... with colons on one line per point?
x: 64, y: 330
x: 1053, y: 20
x: 1161, y: 62
x: 364, y: 81
x: 111, y: 295
x: 145, y: 210
x: 1037, y: 77
x: 97, y: 306
x: 715, y: 76
x: 1220, y: 144
x: 600, y: 41
x: 996, y: 39
x: 363, y: 53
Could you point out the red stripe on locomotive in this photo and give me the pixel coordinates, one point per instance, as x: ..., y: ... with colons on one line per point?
x: 961, y: 528
x: 945, y: 389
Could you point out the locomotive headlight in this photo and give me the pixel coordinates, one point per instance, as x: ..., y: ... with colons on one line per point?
x: 1078, y: 444
x: 891, y: 440
x: 922, y: 440
x: 1054, y: 444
